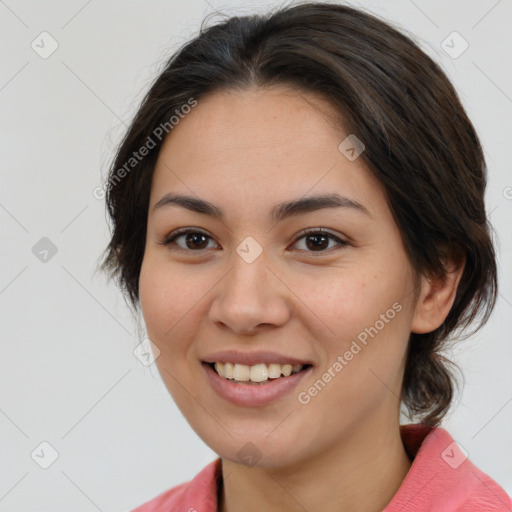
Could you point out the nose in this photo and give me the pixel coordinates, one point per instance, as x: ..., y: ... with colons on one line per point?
x: 250, y: 297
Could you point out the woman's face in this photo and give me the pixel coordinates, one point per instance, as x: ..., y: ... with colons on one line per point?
x: 252, y: 283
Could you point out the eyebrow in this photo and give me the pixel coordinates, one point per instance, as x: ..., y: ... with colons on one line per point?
x: 280, y: 211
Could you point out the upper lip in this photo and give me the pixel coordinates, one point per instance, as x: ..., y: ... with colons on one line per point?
x: 252, y: 358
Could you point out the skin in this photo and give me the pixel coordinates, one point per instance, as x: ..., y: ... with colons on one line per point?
x: 245, y: 152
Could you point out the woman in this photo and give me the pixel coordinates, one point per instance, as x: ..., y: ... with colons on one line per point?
x: 298, y: 210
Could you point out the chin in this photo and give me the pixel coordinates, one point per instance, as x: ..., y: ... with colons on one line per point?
x: 257, y: 451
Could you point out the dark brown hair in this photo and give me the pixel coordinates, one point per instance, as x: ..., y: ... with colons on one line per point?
x: 420, y: 145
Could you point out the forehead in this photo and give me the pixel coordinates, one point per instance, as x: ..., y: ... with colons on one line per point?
x: 260, y: 146
x: 231, y: 121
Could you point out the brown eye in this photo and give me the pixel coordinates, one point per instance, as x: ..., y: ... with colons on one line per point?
x: 193, y: 240
x: 317, y: 240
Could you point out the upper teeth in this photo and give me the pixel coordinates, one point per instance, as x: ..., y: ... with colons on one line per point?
x: 256, y: 373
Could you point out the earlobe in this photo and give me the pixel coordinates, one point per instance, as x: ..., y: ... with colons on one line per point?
x: 436, y: 298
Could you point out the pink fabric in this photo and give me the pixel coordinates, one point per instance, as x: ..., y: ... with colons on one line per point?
x: 441, y: 479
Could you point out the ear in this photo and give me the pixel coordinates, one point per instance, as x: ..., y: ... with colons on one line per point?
x: 436, y: 298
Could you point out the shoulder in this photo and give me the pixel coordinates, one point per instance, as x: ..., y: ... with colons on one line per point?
x: 165, y: 501
x: 443, y: 478
x: 197, y: 495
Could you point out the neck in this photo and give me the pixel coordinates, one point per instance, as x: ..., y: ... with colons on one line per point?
x: 361, y: 473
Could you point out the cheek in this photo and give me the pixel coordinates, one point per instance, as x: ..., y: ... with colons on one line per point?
x: 166, y: 297
x: 352, y: 299
x: 361, y: 364
x: 152, y: 296
x: 169, y: 307
x: 364, y: 332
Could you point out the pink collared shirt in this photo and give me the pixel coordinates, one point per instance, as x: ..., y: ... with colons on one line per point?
x: 441, y: 479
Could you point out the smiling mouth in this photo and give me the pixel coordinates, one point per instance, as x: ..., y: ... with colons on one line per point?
x: 256, y: 374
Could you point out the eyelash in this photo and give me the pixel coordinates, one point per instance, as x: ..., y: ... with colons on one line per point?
x: 170, y: 239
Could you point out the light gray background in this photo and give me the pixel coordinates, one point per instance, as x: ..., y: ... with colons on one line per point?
x: 68, y: 375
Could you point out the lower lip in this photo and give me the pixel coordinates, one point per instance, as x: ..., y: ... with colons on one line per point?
x: 253, y: 395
